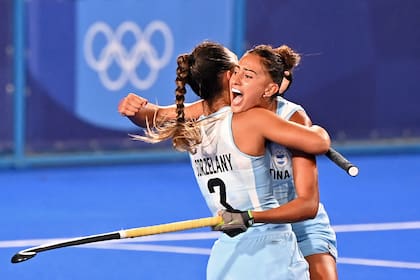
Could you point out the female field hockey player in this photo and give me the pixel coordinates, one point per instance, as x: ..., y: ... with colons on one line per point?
x: 235, y: 146
x: 294, y: 174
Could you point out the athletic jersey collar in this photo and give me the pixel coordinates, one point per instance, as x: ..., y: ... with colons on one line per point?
x: 222, y: 110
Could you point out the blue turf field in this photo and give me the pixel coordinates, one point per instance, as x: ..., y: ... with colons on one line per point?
x: 376, y: 216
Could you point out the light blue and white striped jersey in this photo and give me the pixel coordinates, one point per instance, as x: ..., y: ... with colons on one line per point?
x: 281, y: 168
x: 227, y: 176
x: 281, y: 172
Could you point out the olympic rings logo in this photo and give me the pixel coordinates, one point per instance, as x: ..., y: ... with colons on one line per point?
x: 128, y: 59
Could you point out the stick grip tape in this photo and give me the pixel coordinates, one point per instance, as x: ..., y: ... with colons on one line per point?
x: 171, y: 227
x: 342, y: 162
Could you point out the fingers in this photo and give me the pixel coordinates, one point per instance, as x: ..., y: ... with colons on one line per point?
x: 131, y: 104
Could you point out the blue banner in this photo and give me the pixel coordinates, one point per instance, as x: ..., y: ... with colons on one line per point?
x: 132, y: 46
x: 85, y: 56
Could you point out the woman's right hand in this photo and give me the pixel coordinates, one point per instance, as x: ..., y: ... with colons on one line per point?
x: 131, y: 104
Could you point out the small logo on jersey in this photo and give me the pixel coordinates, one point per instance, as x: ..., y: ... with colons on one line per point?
x: 280, y: 158
x: 280, y: 163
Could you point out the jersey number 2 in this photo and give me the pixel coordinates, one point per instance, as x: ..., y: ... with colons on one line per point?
x: 217, y: 182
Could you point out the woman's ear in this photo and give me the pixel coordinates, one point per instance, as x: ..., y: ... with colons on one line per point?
x: 271, y: 89
x: 229, y: 74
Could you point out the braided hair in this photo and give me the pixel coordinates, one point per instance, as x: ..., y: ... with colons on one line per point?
x: 202, y: 70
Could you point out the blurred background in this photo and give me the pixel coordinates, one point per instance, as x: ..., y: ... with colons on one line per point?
x: 66, y: 64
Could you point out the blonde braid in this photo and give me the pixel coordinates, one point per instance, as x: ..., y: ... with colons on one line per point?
x: 185, y: 135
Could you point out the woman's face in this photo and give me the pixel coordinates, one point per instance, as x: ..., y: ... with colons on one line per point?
x: 248, y: 84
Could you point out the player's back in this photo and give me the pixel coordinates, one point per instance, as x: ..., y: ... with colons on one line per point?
x: 228, y: 177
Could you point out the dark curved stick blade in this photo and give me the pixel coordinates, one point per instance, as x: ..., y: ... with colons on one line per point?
x: 23, y: 256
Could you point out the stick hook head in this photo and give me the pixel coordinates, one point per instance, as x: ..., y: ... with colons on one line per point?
x: 22, y: 256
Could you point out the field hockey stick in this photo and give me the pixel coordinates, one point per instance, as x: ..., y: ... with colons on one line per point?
x: 122, y: 234
x: 342, y: 162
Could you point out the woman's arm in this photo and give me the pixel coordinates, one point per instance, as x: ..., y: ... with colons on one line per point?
x: 305, y: 177
x: 313, y: 140
x: 141, y: 112
x: 305, y: 205
x: 252, y: 128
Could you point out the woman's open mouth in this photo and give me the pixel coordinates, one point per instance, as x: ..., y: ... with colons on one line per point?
x: 236, y: 97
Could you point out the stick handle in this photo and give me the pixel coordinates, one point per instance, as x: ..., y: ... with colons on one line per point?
x: 342, y: 162
x: 171, y: 227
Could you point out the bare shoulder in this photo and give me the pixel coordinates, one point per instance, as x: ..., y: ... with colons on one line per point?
x: 259, y: 114
x: 254, y: 118
x: 194, y: 110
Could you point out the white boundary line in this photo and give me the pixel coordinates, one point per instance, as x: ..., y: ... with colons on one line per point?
x: 382, y: 263
x: 152, y: 248
x: 377, y: 227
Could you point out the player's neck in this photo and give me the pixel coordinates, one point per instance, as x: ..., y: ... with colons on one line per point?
x: 212, y: 106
